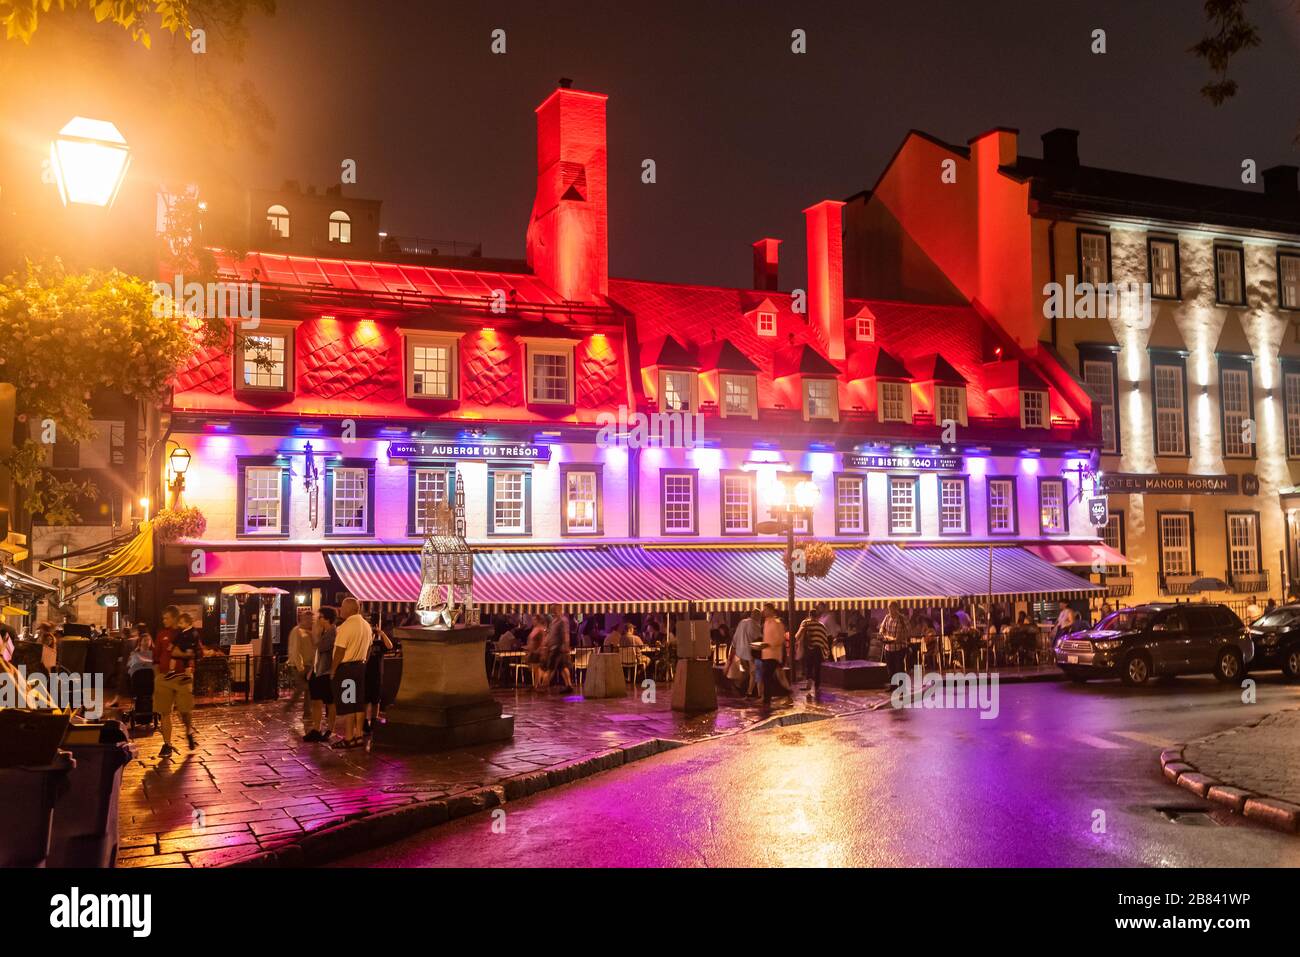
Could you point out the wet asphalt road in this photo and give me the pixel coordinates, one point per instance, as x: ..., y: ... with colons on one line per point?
x: 899, y: 788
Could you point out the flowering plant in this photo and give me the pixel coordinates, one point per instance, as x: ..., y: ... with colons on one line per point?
x: 817, y: 558
x: 172, y: 524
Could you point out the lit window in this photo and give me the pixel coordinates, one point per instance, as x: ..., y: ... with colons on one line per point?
x: 1094, y: 258
x: 1171, y: 419
x: 892, y: 397
x: 340, y: 227
x: 678, y: 503
x: 902, y: 506
x: 820, y: 399
x: 1291, y: 397
x: 952, y: 506
x: 262, y: 488
x: 430, y: 492
x: 1243, y: 545
x: 1113, y: 535
x: 738, y: 395
x: 264, y: 361
x: 1288, y: 269
x: 1229, y: 280
x: 767, y: 323
x: 950, y: 404
x: 550, y: 380
x: 737, y: 504
x: 1033, y: 409
x: 1176, y: 543
x: 864, y: 328
x: 431, y: 370
x: 1164, y: 268
x: 1099, y: 378
x: 1234, y: 396
x: 1051, y: 507
x: 850, y: 517
x: 277, y: 221
x: 508, y: 511
x: 1002, y: 507
x: 675, y: 391
x: 580, y: 502
x: 349, y: 506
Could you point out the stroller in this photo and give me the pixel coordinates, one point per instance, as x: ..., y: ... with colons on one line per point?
x: 142, y: 712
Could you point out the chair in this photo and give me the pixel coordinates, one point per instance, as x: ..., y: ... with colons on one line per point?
x: 951, y: 650
x: 521, y: 664
x: 581, y: 658
x: 838, y: 652
x: 631, y: 659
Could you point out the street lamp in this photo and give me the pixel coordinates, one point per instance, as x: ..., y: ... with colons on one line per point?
x: 790, y: 504
x: 179, y: 461
x: 89, y: 159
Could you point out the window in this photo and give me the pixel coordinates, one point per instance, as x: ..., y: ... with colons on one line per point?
x: 892, y: 400
x: 850, y: 505
x: 1175, y: 541
x: 428, y: 489
x: 432, y: 366
x: 1243, y: 544
x: 1229, y: 277
x: 1002, y: 506
x: 581, y: 501
x: 1094, y: 257
x: 820, y: 399
x: 277, y: 221
x: 340, y: 227
x: 737, y: 503
x: 953, y: 513
x: 1053, y: 517
x: 903, y: 518
x: 1170, y: 410
x: 864, y: 328
x: 1291, y: 397
x: 1033, y: 409
x: 767, y: 323
x: 1112, y: 533
x: 738, y: 395
x: 1162, y: 264
x: 264, y: 361
x: 549, y: 378
x: 349, y: 501
x: 509, y: 508
x: 1234, y: 401
x: 950, y: 404
x: 263, y: 497
x: 675, y: 391
x: 677, y: 503
x: 1288, y: 280
x: 1099, y: 379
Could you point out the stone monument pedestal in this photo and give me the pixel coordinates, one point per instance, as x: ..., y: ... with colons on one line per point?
x: 694, y: 687
x: 444, y: 701
x: 604, y: 677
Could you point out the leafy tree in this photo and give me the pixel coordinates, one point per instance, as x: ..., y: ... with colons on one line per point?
x: 1232, y: 33
x: 21, y: 17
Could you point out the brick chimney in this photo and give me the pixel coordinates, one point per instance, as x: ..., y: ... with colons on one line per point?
x: 1061, y: 147
x: 826, y: 273
x: 765, y: 261
x: 568, y: 232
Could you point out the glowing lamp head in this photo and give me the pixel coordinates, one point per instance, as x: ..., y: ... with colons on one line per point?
x: 775, y: 495
x: 180, y: 460
x: 806, y: 494
x: 89, y: 159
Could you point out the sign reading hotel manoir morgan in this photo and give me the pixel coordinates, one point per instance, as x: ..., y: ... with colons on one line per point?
x: 940, y: 463
x: 1138, y: 484
x: 515, y: 451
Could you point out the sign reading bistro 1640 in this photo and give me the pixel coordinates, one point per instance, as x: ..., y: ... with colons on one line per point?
x: 1139, y: 484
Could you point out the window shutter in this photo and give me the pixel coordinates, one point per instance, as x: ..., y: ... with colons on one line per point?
x: 286, y: 482
x: 492, y: 502
x: 329, y: 500
x: 528, y: 502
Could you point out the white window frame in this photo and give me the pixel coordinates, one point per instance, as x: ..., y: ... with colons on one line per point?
x: 1183, y: 522
x: 340, y: 226
x: 1288, y: 280
x: 277, y: 217
x: 343, y: 479
x: 427, y: 482
x: 900, y: 502
x: 1234, y: 408
x: 1009, y: 506
x: 1226, y: 282
x: 751, y: 387
x: 1094, y: 257
x: 587, y: 505
x: 451, y: 343
x: 765, y: 323
x: 1053, y: 515
x: 1099, y: 379
x: 1243, y: 544
x: 855, y: 503
x: 864, y: 328
x: 671, y: 485
x: 282, y: 370
x: 957, y: 392
x: 503, y: 505
x: 893, y: 402
x: 732, y: 505
x: 947, y: 504
x: 1164, y: 267
x: 270, y: 522
x: 679, y: 378
x: 1028, y: 414
x: 1169, y: 413
x: 1291, y: 399
x: 832, y: 399
x: 534, y: 349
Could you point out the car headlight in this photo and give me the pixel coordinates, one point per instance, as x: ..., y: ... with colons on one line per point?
x: 1106, y: 645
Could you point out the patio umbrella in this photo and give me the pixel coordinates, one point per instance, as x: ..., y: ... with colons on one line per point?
x: 240, y: 590
x: 1207, y: 584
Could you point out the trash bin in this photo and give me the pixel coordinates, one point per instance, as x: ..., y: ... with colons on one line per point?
x: 85, y: 821
x: 30, y: 795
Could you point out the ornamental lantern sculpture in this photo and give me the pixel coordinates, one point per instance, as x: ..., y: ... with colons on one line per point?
x: 446, y: 565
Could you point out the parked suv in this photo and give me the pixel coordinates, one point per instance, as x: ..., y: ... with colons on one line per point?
x: 1135, y: 644
x: 1276, y: 635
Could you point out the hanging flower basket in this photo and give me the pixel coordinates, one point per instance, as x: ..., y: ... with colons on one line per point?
x: 173, y: 524
x: 818, y: 557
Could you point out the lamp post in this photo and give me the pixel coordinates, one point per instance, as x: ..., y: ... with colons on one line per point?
x: 789, y: 503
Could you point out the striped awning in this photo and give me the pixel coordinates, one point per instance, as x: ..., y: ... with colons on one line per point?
x: 963, y: 572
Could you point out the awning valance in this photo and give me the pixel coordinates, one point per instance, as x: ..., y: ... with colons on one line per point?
x: 1077, y: 554
x: 963, y: 572
x: 264, y: 565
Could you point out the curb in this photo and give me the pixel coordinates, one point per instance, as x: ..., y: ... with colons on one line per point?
x: 1279, y: 815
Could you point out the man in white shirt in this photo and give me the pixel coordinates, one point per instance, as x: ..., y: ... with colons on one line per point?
x: 1065, y: 620
x: 742, y: 649
x: 352, y: 643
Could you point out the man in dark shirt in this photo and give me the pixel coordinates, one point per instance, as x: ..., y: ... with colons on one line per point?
x: 817, y: 648
x: 174, y: 654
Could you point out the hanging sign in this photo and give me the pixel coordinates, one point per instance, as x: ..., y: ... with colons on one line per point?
x: 520, y: 451
x: 1099, y: 512
x: 925, y: 463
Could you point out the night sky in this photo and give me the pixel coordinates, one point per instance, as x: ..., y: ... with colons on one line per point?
x: 745, y: 133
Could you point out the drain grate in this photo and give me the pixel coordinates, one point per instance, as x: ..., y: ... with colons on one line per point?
x: 1186, y: 814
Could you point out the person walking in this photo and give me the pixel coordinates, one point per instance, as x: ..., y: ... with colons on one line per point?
x: 320, y: 687
x: 379, y: 645
x: 298, y: 659
x: 352, y: 641
x: 740, y: 656
x: 533, y: 649
x: 175, y: 653
x: 893, y: 632
x: 555, y: 650
x: 773, y: 651
x: 816, y: 649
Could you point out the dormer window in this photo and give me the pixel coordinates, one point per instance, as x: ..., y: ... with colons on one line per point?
x: 1033, y: 409
x: 892, y: 402
x: 739, y: 395
x: 676, y: 390
x: 277, y: 220
x: 432, y: 365
x: 340, y: 227
x: 949, y: 404
x: 767, y: 324
x: 820, y: 399
x: 265, y: 360
x: 864, y: 328
x: 550, y: 372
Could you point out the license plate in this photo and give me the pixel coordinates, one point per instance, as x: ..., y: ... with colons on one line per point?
x: 1071, y: 659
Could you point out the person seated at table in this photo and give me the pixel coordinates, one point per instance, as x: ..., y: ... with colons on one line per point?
x: 1024, y: 636
x: 508, y: 641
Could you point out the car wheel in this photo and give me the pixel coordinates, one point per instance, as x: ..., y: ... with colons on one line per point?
x: 1291, y: 663
x: 1228, y: 666
x: 1137, y: 669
